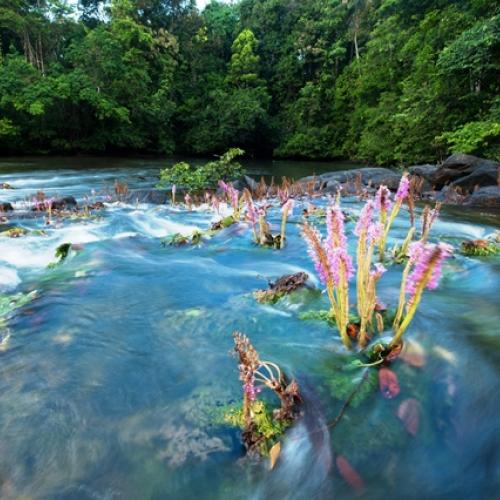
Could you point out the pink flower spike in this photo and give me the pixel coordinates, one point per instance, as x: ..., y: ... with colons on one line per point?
x: 383, y: 199
x: 223, y: 186
x: 426, y: 258
x: 403, y: 189
x: 375, y: 232
x: 288, y: 206
x: 365, y: 218
x: 378, y: 271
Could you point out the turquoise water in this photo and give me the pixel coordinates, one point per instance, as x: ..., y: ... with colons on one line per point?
x: 113, y: 379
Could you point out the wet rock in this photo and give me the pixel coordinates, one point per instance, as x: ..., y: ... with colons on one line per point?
x: 488, y: 196
x: 6, y: 207
x: 426, y: 171
x: 153, y: 196
x: 485, y: 175
x: 283, y: 286
x: 374, y: 176
x: 66, y: 203
x: 245, y: 182
x: 466, y: 171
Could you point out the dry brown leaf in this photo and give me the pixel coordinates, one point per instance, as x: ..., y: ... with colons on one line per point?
x: 274, y: 454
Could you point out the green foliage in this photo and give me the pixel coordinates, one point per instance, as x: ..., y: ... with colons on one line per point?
x: 473, y: 137
x: 480, y: 248
x: 61, y: 254
x: 266, y: 426
x: 349, y: 379
x: 206, y: 176
x: 14, y: 232
x: 178, y: 239
x: 385, y: 81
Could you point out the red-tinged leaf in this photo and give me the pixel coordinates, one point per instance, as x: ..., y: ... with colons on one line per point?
x: 388, y: 382
x: 350, y: 475
x: 409, y: 413
x: 394, y: 352
x: 413, y: 354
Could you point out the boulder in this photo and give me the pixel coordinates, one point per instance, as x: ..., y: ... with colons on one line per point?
x: 245, y: 182
x: 427, y: 171
x: 484, y: 175
x: 6, y: 207
x: 66, y: 203
x: 374, y: 176
x: 153, y: 196
x: 466, y: 171
x: 488, y: 196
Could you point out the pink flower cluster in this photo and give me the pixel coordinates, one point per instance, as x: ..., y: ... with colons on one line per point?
x: 317, y: 253
x: 251, y: 213
x: 250, y: 390
x: 403, y: 189
x: 383, y: 199
x: 339, y: 259
x: 365, y: 218
x: 232, y: 193
x: 427, y: 260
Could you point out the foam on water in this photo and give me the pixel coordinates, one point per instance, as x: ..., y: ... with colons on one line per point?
x: 9, y: 278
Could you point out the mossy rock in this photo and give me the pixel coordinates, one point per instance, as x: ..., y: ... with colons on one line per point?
x: 479, y: 248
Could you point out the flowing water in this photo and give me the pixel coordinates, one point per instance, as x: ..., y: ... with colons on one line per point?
x: 115, y: 375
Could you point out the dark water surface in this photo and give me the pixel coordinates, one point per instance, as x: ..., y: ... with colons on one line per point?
x: 113, y: 379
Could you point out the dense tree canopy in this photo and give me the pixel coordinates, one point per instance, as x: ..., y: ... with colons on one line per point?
x: 386, y: 81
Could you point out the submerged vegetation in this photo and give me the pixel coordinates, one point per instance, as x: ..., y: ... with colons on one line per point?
x: 374, y: 254
x: 262, y: 428
x: 386, y: 81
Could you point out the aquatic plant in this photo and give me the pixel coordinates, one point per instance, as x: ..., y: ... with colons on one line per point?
x: 121, y: 189
x: 61, y: 254
x: 422, y: 271
x: 333, y: 265
x: 479, y: 248
x: 429, y: 216
x: 14, y: 232
x: 334, y: 268
x: 188, y: 201
x: 389, y: 210
x: 174, y: 190
x: 286, y: 210
x: 179, y: 239
x: 251, y: 213
x: 232, y: 195
x: 261, y: 428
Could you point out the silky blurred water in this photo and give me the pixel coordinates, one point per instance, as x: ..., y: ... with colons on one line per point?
x: 113, y: 378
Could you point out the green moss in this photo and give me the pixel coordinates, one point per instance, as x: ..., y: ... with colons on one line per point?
x: 350, y: 379
x: 479, y: 248
x: 265, y: 425
x: 14, y: 232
